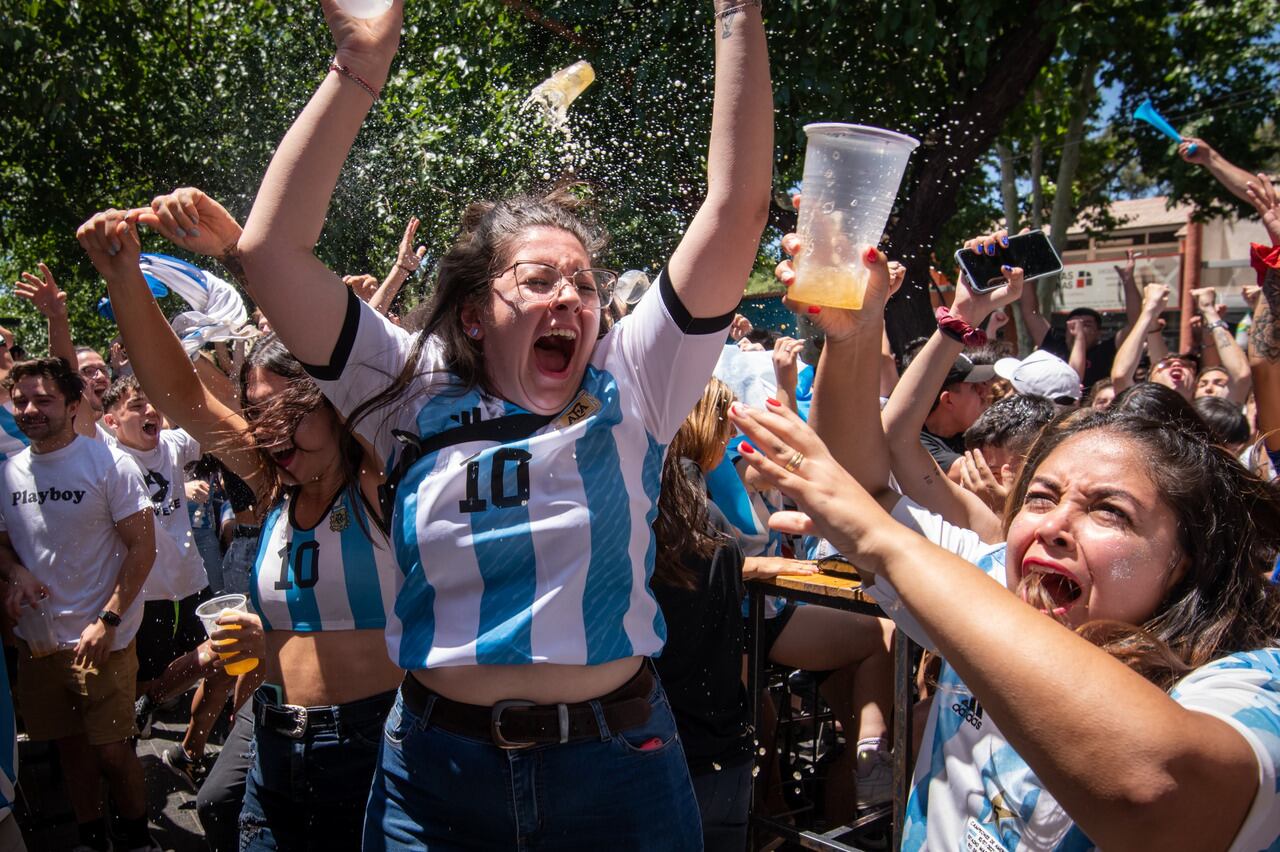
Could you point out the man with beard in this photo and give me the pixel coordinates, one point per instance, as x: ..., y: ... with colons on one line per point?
x: 77, y: 535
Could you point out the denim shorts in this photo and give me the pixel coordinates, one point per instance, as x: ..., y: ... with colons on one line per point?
x: 628, y: 790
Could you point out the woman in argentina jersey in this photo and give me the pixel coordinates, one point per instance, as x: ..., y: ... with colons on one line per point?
x: 525, y: 553
x: 1153, y: 721
x: 324, y: 576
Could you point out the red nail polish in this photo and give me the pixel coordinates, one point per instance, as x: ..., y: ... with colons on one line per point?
x: 873, y: 256
x: 745, y: 448
x: 814, y: 309
x: 773, y: 402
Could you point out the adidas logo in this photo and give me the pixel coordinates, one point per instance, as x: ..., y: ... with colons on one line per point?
x: 969, y: 710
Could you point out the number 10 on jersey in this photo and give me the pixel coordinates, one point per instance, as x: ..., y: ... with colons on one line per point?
x: 303, y: 562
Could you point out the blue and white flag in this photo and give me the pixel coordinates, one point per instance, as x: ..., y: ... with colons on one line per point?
x: 218, y: 311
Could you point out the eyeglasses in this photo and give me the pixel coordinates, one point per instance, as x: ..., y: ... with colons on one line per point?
x: 1170, y: 363
x: 91, y: 370
x: 539, y: 283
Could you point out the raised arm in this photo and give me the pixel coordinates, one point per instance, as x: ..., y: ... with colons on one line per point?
x: 914, y: 469
x: 846, y: 389
x: 1132, y: 297
x: 1078, y: 356
x: 407, y: 262
x: 1230, y: 355
x: 49, y: 299
x: 1154, y: 299
x: 1129, y: 764
x: 709, y: 268
x: 1032, y: 320
x: 158, y: 359
x: 1234, y: 178
x: 303, y: 299
x: 1264, y: 350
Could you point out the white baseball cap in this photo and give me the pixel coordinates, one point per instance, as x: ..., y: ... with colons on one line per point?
x: 1044, y: 374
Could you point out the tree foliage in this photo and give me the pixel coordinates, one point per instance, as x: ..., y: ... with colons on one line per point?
x: 119, y: 100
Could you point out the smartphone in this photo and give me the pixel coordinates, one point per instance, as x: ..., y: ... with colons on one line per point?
x: 1032, y: 251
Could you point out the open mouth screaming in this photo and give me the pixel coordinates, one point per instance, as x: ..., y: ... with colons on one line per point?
x: 1051, y: 592
x: 553, y: 351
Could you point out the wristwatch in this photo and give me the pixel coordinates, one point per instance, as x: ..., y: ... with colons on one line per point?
x: 109, y: 618
x: 1219, y: 324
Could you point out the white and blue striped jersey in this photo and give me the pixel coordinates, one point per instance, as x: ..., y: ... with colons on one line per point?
x: 971, y: 791
x: 12, y: 439
x: 537, y: 550
x: 338, y: 575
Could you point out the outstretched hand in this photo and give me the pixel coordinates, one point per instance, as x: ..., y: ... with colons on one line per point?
x: 1263, y: 196
x: 192, y: 220
x: 43, y: 292
x: 408, y: 258
x: 789, y: 456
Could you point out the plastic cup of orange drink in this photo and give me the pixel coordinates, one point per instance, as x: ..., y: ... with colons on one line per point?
x: 851, y: 178
x: 209, y: 612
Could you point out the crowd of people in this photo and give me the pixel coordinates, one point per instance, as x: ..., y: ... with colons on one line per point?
x: 494, y: 552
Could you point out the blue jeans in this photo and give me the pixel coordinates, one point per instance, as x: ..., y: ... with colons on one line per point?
x: 436, y: 790
x: 310, y: 793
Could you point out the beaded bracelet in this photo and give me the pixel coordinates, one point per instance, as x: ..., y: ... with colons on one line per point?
x: 353, y: 77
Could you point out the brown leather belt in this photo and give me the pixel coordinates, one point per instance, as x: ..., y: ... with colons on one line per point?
x: 521, y: 724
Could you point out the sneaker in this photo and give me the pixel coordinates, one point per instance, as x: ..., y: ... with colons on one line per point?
x: 176, y: 760
x: 874, y: 776
x: 144, y: 711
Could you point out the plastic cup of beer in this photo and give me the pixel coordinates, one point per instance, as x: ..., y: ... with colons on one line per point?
x: 851, y: 178
x: 209, y: 612
x: 35, y: 626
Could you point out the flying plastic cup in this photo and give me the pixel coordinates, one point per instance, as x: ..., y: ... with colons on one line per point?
x: 851, y: 178
x: 1146, y: 112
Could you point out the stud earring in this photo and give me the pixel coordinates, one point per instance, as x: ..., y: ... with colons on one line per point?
x: 474, y: 331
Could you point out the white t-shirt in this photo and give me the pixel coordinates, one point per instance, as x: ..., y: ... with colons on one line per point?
x: 60, y: 511
x: 179, y: 570
x: 536, y: 550
x: 971, y: 791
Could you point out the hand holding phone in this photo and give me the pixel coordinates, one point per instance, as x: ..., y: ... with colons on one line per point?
x: 1031, y: 251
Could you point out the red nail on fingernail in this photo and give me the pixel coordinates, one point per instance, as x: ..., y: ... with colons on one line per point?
x: 773, y: 402
x: 873, y: 256
x: 745, y: 448
x: 814, y: 309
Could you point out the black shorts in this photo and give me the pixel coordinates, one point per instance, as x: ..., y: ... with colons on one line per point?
x: 773, y: 627
x: 169, y: 629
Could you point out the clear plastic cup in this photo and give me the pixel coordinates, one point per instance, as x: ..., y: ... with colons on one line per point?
x: 851, y: 178
x: 364, y: 8
x: 35, y: 626
x: 209, y: 612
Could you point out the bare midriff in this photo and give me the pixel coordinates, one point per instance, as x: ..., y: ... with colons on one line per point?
x: 330, y: 667
x: 541, y: 683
